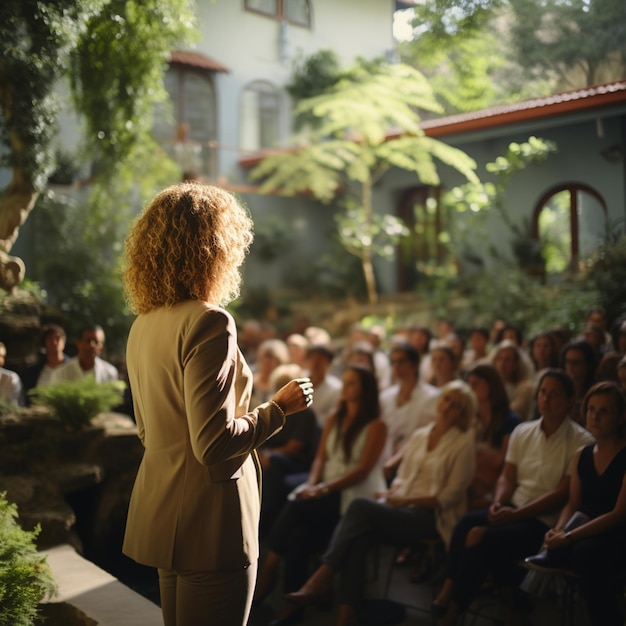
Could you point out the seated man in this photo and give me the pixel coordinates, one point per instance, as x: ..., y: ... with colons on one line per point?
x: 88, y: 361
x: 10, y: 382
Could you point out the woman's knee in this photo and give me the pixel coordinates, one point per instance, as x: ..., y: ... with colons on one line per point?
x: 475, y: 536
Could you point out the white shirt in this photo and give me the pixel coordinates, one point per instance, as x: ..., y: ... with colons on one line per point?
x: 10, y: 387
x: 102, y: 371
x: 326, y: 397
x: 540, y: 461
x: 402, y: 421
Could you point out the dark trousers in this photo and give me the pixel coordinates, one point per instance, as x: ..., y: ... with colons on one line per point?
x: 365, y: 523
x: 276, y: 487
x: 501, y: 548
x: 598, y: 561
x: 302, y: 529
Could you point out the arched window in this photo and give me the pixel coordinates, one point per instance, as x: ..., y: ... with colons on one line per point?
x: 260, y: 116
x: 188, y: 131
x: 570, y: 222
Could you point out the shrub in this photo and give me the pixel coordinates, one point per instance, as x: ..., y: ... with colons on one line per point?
x: 25, y: 577
x: 77, y: 402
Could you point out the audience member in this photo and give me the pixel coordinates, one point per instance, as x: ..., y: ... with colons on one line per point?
x: 52, y: 355
x: 11, y: 390
x: 478, y: 341
x: 579, y: 360
x: 443, y: 364
x: 297, y: 345
x: 516, y: 372
x: 327, y: 386
x: 543, y: 351
x: 347, y: 465
x: 407, y: 405
x: 288, y: 453
x: 494, y: 424
x: 88, y: 362
x: 249, y: 339
x: 619, y: 336
x: 270, y: 354
x: 607, y: 367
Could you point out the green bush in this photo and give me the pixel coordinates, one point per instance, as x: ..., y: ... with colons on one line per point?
x: 77, y: 402
x: 25, y: 577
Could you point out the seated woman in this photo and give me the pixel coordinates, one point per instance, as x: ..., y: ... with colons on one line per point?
x: 579, y: 360
x: 595, y: 550
x: 347, y: 465
x: 516, y: 371
x: 530, y: 490
x: 288, y: 454
x: 425, y: 500
x: 443, y: 363
x: 270, y: 354
x: 493, y: 425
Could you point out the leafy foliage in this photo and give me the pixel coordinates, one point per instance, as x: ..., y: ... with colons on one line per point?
x: 117, y: 70
x: 77, y: 402
x: 366, y: 123
x: 477, y: 197
x: 510, y: 293
x: 77, y: 244
x: 25, y: 577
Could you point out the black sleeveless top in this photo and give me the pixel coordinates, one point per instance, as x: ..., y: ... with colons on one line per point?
x: 599, y: 492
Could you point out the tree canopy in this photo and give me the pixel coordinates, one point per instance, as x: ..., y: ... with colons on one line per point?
x: 113, y: 54
x: 483, y: 52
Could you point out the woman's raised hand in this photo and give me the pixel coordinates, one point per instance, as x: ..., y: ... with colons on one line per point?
x: 295, y: 396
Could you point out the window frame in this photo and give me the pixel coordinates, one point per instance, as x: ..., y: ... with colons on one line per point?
x: 281, y: 13
x: 181, y: 123
x: 574, y: 189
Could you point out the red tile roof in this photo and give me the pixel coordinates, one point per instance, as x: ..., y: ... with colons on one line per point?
x: 195, y: 59
x: 539, y: 108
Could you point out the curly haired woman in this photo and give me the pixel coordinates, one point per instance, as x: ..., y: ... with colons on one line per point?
x: 194, y: 509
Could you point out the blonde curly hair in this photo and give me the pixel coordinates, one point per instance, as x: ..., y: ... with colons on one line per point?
x: 188, y: 244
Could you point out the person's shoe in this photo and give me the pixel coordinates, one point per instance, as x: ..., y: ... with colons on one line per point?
x: 317, y: 590
x: 289, y: 615
x: 548, y: 561
x: 438, y: 610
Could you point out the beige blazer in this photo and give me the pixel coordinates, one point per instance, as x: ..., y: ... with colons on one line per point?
x: 195, y: 503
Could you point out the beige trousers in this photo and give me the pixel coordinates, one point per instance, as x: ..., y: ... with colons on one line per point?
x: 215, y: 598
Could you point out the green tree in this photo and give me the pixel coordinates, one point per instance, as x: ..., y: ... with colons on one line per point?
x: 367, y: 124
x: 77, y: 244
x: 113, y: 53
x: 571, y: 39
x: 483, y: 52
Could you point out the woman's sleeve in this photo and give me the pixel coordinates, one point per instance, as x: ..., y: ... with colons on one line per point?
x: 212, y: 392
x: 459, y: 473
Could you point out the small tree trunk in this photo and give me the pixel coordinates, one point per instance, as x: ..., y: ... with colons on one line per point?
x: 366, y: 256
x: 16, y: 203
